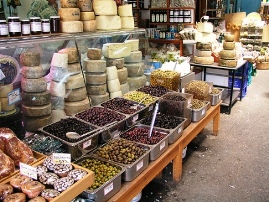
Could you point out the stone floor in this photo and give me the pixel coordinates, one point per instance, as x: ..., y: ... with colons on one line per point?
x: 233, y: 166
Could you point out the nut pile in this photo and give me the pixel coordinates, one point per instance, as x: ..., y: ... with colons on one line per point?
x: 121, y: 151
x: 199, y: 89
x: 141, y: 135
x: 174, y: 97
x: 103, y: 171
x: 197, y: 104
x: 163, y: 121
x: 215, y: 91
x: 63, y: 126
x: 137, y: 96
x: 99, y: 116
x: 122, y: 105
x: 167, y: 79
x: 156, y: 91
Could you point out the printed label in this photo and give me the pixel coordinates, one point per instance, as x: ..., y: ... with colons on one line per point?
x: 14, y: 96
x: 203, y: 111
x: 28, y: 171
x: 179, y: 130
x: 135, y: 118
x: 87, y: 143
x: 61, y: 158
x: 108, y: 188
x: 139, y: 165
x: 162, y: 145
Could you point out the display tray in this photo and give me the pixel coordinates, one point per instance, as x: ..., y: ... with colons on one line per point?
x: 198, y: 114
x: 74, y: 190
x: 216, y: 98
x: 132, y: 170
x: 107, y: 189
x: 156, y: 149
x: 38, y: 157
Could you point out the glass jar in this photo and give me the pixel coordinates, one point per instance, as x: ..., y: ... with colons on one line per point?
x: 55, y: 24
x: 45, y: 24
x: 14, y: 26
x: 35, y: 24
x: 3, y: 28
x: 25, y: 28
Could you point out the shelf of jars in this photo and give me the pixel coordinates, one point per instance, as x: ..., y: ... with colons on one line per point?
x: 251, y: 36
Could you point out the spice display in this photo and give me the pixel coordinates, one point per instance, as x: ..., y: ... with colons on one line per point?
x: 197, y: 104
x: 103, y: 171
x: 167, y: 79
x: 156, y: 91
x: 199, y: 89
x: 138, y: 96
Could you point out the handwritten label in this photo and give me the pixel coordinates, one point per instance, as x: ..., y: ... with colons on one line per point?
x: 28, y: 171
x: 61, y: 158
x: 2, y: 75
x: 179, y: 130
x: 139, y: 165
x: 203, y: 111
x: 14, y: 96
x: 135, y: 118
x: 87, y: 143
x: 162, y: 145
x: 108, y: 188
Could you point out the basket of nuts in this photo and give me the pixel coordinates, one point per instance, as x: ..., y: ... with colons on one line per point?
x: 199, y: 108
x: 168, y: 79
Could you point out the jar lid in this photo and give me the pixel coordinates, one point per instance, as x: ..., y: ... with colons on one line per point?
x: 25, y: 20
x: 14, y: 17
x: 56, y: 16
x: 45, y: 20
x: 3, y: 21
x: 34, y: 18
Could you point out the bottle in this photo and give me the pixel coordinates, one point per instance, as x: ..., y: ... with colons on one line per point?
x: 54, y: 24
x: 45, y: 26
x: 14, y: 26
x: 35, y: 25
x: 157, y: 16
x: 165, y: 17
x: 153, y: 16
x: 25, y: 27
x: 161, y: 16
x: 3, y: 28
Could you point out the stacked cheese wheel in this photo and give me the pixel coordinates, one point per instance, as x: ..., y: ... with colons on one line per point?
x: 95, y: 73
x: 70, y: 16
x: 4, y: 103
x: 36, y: 106
x: 135, y: 66
x: 106, y: 15
x: 228, y: 54
x: 76, y: 99
x: 203, y: 54
x: 126, y: 16
x: 87, y: 15
x: 113, y: 83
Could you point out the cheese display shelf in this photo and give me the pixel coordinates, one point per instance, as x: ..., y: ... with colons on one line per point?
x: 251, y: 36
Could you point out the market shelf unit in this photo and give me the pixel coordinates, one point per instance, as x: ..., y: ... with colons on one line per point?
x: 139, y: 6
x: 251, y: 36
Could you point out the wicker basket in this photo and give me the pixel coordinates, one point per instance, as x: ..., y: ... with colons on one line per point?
x: 263, y: 66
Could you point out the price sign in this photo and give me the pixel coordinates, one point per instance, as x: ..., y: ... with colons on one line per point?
x: 14, y: 96
x: 162, y: 145
x: 28, y: 171
x: 135, y: 118
x: 87, y: 143
x: 61, y: 158
x: 108, y: 188
x: 2, y: 75
x: 139, y: 165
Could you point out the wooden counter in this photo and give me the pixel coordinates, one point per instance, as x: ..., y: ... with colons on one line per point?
x: 173, y: 153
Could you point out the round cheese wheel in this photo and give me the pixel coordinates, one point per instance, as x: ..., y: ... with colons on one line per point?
x: 136, y: 82
x: 227, y: 54
x: 10, y: 68
x: 125, y: 10
x: 59, y: 74
x: 29, y: 58
x: 115, y: 94
x: 68, y: 3
x: 134, y: 44
x: 85, y: 5
x: 135, y: 69
x: 94, y: 53
x: 228, y: 45
x: 57, y: 115
x: 105, y: 7
x: 127, y: 22
x: 96, y: 89
x: 75, y: 81
x: 71, y: 26
x: 95, y: 78
x: 69, y: 14
x: 119, y: 62
x: 34, y: 85
x: 201, y: 53
x: 59, y: 60
x: 4, y: 90
x: 36, y: 111
x: 89, y: 26
x: 35, y: 123
x: 74, y: 68
x: 111, y: 73
x: 204, y: 60
x: 86, y: 16
x: 36, y: 99
x: 122, y: 75
x: 204, y: 46
x: 229, y: 38
x: 72, y: 108
x: 94, y: 65
x: 135, y: 56
x: 98, y: 99
x: 57, y: 89
x: 57, y: 102
x: 33, y: 72
x: 74, y: 95
x: 124, y: 88
x: 227, y: 63
x: 5, y: 105
x: 72, y: 54
x: 113, y: 85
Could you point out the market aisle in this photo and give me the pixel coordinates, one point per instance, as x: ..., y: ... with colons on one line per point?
x: 230, y: 167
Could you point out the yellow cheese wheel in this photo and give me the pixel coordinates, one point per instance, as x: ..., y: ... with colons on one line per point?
x: 227, y: 63
x: 74, y: 95
x: 75, y: 81
x: 89, y: 26
x: 4, y: 90
x: 229, y: 37
x: 127, y: 22
x: 36, y: 111
x: 204, y: 60
x: 5, y: 105
x: 227, y: 54
x: 68, y: 3
x: 86, y: 16
x: 69, y: 14
x: 71, y: 26
x: 94, y: 53
x: 228, y: 45
x: 72, y: 108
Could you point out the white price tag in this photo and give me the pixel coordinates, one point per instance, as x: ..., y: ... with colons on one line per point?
x: 203, y: 111
x: 135, y: 118
x: 151, y: 108
x: 108, y: 188
x: 162, y: 145
x: 139, y: 165
x: 14, y: 96
x: 87, y: 143
x: 179, y: 130
x: 28, y: 171
x: 61, y: 158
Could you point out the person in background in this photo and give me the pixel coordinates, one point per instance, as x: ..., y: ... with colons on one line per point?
x: 43, y: 9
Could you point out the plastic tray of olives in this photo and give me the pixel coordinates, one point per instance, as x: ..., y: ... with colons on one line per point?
x: 133, y: 156
x: 107, y: 177
x: 216, y: 95
x: 199, y: 113
x: 174, y: 124
x: 76, y: 147
x: 158, y: 142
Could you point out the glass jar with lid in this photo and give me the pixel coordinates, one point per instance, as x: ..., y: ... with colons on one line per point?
x: 14, y: 26
x: 35, y: 24
x: 3, y: 28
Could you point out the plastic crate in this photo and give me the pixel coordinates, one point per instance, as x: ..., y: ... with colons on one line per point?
x: 244, y: 91
x: 249, y: 79
x: 238, y: 72
x: 237, y: 82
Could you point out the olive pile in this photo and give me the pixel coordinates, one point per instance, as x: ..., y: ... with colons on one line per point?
x: 122, y: 105
x: 197, y: 104
x: 103, y: 171
x: 99, y: 116
x: 156, y: 91
x: 164, y: 121
x: 168, y: 79
x: 137, y: 96
x: 199, y: 89
x: 215, y: 91
x: 141, y: 135
x: 174, y: 97
x: 63, y: 126
x: 121, y: 151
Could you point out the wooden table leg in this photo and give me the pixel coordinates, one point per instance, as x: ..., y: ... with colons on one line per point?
x: 177, y: 164
x: 216, y: 122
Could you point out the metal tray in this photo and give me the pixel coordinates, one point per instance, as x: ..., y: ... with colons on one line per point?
x: 215, y: 98
x: 156, y: 149
x: 106, y: 190
x: 198, y: 114
x: 134, y: 169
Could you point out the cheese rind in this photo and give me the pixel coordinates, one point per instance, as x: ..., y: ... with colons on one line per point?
x: 116, y: 50
x: 74, y: 95
x: 95, y: 78
x: 74, y: 68
x: 36, y: 111
x: 134, y: 44
x: 72, y: 108
x: 35, y: 123
x: 34, y: 72
x: 228, y: 45
x: 201, y: 53
x: 113, y: 85
x: 122, y: 75
x: 98, y: 99
x: 124, y: 88
x: 127, y: 22
x: 108, y: 22
x: 229, y: 37
x: 89, y: 26
x: 94, y: 65
x: 57, y: 89
x: 118, y: 62
x: 86, y: 16
x: 68, y: 3
x: 36, y: 99
x: 135, y: 69
x: 94, y: 53
x: 85, y: 5
x: 115, y: 94
x: 71, y: 26
x: 135, y: 56
x: 72, y: 54
x: 111, y: 73
x: 105, y: 7
x: 59, y: 60
x: 34, y: 85
x: 96, y: 89
x: 227, y: 54
x: 29, y: 58
x: 69, y: 14
x: 5, y: 106
x: 227, y: 63
x: 204, y: 60
x: 125, y: 10
x: 136, y: 82
x: 204, y: 46
x: 75, y: 81
x: 4, y: 90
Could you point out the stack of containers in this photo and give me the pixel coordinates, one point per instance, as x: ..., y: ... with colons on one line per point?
x: 76, y: 99
x: 113, y: 83
x: 36, y: 106
x: 106, y: 15
x: 95, y: 73
x: 87, y: 15
x: 135, y: 66
x: 126, y: 15
x: 228, y: 54
x: 70, y: 17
